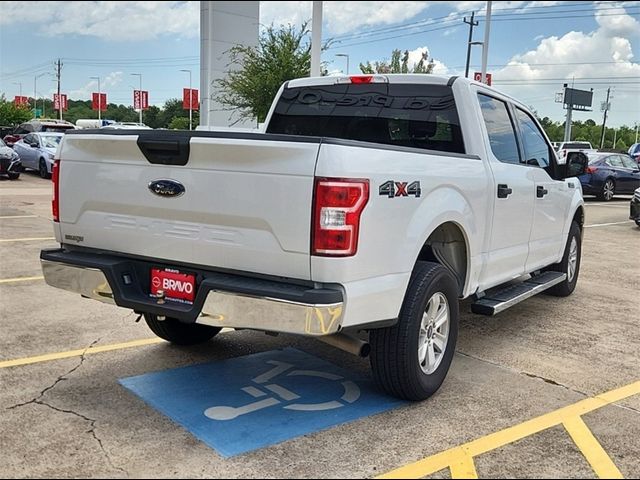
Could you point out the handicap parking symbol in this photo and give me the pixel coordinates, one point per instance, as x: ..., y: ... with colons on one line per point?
x: 251, y: 402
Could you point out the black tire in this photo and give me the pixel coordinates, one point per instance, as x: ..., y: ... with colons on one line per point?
x: 566, y: 288
x: 608, y: 190
x: 42, y: 169
x: 180, y: 333
x: 394, y: 350
x: 13, y: 175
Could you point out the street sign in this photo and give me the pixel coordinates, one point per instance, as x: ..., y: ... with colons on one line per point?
x: 194, y: 99
x: 99, y: 102
x: 37, y: 112
x: 477, y: 76
x: 60, y: 99
x: 140, y: 99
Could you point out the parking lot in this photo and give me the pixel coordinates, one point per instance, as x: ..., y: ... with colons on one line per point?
x: 549, y: 388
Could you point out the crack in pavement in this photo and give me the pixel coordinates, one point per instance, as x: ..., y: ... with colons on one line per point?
x: 92, y: 430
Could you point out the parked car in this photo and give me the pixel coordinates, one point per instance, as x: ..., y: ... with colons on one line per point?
x: 127, y: 125
x: 634, y: 213
x: 9, y: 162
x: 36, y: 151
x: 634, y: 152
x: 37, y: 125
x: 609, y: 174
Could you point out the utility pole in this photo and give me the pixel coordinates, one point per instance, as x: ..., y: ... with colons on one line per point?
x: 485, y: 44
x: 58, y: 70
x: 604, y: 120
x: 471, y: 25
x: 316, y: 38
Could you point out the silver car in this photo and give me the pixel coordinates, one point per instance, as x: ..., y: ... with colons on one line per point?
x: 37, y: 150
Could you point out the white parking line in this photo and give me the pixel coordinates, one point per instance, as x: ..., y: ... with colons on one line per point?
x: 607, y: 224
x: 18, y: 216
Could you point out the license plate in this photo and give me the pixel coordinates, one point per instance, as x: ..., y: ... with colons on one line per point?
x: 176, y: 286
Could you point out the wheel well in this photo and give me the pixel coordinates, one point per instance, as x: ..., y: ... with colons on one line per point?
x: 447, y: 245
x: 578, y: 217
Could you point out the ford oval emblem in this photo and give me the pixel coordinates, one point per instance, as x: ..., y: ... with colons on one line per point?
x: 166, y: 188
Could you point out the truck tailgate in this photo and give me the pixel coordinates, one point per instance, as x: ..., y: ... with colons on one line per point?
x: 246, y: 204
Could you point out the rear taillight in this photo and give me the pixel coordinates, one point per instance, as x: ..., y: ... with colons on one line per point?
x: 591, y: 170
x: 55, y: 202
x: 361, y: 79
x: 337, y: 206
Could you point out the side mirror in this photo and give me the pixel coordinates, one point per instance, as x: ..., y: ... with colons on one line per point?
x: 577, y: 163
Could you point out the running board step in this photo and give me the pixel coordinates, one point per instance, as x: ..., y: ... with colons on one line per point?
x: 497, y: 301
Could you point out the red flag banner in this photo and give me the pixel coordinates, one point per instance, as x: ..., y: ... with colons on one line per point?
x: 193, y: 101
x: 18, y: 100
x: 140, y: 99
x: 99, y: 101
x: 477, y: 76
x: 60, y: 100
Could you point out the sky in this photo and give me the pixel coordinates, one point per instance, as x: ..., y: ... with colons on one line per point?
x: 534, y: 48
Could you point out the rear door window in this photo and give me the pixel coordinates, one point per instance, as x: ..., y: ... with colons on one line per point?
x: 406, y: 115
x: 502, y: 134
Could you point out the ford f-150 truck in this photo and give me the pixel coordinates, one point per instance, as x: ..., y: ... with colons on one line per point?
x: 364, y: 211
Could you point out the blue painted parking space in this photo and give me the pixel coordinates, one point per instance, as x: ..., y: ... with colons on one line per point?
x: 246, y: 403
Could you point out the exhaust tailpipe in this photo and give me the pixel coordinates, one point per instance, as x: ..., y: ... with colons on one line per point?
x: 353, y: 345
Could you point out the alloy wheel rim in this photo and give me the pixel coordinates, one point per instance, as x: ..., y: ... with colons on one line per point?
x: 573, y: 259
x: 608, y: 190
x: 434, y: 333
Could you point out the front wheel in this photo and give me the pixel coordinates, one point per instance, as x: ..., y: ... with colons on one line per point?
x: 570, y: 263
x: 411, y: 359
x: 42, y: 169
x: 608, y: 190
x: 13, y: 175
x: 180, y: 333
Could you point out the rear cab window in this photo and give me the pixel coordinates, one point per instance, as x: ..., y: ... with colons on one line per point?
x: 405, y: 115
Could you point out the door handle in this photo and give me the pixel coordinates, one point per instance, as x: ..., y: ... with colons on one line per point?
x: 504, y: 191
x: 541, y: 192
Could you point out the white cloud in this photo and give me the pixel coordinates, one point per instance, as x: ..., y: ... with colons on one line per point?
x: 341, y: 17
x: 84, y: 93
x: 596, y: 60
x: 116, y: 21
x: 615, y: 22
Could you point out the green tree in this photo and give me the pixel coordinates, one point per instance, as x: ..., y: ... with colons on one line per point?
x: 10, y: 114
x: 399, y: 64
x: 179, y: 123
x: 281, y: 54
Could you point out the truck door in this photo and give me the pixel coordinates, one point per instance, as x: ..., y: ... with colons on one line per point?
x: 513, y: 193
x: 552, y: 198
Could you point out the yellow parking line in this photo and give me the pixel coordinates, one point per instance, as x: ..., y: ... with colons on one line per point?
x: 77, y: 353
x: 18, y: 216
x: 445, y: 459
x: 26, y: 239
x: 464, y: 466
x: 591, y: 448
x: 21, y: 279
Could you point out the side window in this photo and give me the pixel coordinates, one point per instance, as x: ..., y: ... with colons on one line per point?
x: 536, y: 150
x: 502, y: 136
x: 28, y: 139
x: 615, y: 161
x: 628, y: 163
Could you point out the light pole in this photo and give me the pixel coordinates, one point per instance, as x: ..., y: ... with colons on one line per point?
x: 19, y: 83
x: 35, y: 82
x: 190, y: 99
x: 140, y: 94
x: 344, y: 55
x: 99, y: 98
x: 485, y: 44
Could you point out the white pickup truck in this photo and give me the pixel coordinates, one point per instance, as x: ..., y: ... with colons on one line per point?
x: 368, y: 207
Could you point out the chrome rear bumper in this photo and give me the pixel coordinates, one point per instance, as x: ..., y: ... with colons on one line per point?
x: 219, y: 309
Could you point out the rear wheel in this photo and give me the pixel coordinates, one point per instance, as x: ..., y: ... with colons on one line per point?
x: 180, y: 333
x: 42, y: 169
x: 13, y: 175
x: 411, y: 359
x: 608, y: 190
